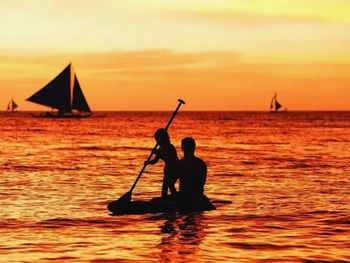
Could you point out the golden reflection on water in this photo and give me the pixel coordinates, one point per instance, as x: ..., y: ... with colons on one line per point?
x: 287, y: 176
x: 181, y: 237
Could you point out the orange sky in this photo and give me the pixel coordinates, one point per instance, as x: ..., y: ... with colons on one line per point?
x: 217, y: 55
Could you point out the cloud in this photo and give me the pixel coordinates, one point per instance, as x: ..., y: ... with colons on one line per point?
x: 151, y: 79
x: 250, y: 12
x: 152, y: 62
x: 244, y: 18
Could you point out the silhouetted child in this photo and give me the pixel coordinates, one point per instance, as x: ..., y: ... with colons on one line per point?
x: 168, y: 154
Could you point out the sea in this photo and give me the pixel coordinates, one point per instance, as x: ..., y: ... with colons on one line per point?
x: 286, y: 177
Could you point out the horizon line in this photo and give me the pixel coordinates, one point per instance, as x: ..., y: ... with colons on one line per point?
x: 147, y: 110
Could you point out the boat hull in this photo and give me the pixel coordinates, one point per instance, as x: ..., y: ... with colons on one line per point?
x: 278, y: 112
x: 159, y: 205
x: 61, y: 116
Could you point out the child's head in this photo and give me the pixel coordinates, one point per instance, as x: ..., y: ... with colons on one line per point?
x: 162, y: 137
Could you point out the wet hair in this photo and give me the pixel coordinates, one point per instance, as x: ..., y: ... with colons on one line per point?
x: 188, y: 144
x: 162, y: 136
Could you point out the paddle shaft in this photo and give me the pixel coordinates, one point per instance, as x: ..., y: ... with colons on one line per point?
x: 155, y: 147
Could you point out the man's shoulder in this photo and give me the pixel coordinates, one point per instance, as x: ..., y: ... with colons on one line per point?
x: 202, y: 164
x: 195, y: 159
x: 201, y: 161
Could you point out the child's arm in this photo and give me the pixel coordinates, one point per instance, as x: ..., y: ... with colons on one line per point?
x: 154, y: 161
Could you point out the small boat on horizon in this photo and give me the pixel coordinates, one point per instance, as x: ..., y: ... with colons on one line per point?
x: 275, y: 106
x: 12, y: 106
x: 64, y: 95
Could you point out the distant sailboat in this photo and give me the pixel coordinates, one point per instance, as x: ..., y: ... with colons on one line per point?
x: 275, y: 106
x: 64, y: 95
x: 12, y: 106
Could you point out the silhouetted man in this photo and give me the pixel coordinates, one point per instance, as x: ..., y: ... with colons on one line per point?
x: 192, y: 174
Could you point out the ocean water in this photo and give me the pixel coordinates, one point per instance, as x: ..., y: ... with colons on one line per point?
x: 287, y: 175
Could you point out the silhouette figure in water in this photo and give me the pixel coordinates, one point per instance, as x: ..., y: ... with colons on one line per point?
x: 167, y: 153
x: 192, y: 175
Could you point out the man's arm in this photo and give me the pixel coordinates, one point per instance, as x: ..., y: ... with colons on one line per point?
x: 204, y: 172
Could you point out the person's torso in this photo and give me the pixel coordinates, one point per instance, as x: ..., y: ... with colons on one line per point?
x: 192, y: 175
x: 168, y: 154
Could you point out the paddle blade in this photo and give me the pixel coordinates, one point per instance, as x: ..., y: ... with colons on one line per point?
x: 121, y: 204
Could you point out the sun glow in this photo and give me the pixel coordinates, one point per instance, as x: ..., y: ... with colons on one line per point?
x: 214, y: 53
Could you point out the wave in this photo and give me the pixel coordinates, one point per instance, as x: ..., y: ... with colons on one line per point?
x: 262, y: 143
x: 228, y: 174
x: 29, y: 168
x: 11, y: 223
x: 249, y: 162
x: 299, y: 166
x: 38, y: 167
x: 283, y: 159
x: 63, y: 259
x: 102, y: 148
x: 318, y: 260
x: 337, y: 221
x: 36, y: 129
x: 263, y: 246
x: 60, y: 222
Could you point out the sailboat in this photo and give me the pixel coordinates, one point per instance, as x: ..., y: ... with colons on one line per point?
x: 12, y: 105
x: 64, y: 95
x: 275, y: 106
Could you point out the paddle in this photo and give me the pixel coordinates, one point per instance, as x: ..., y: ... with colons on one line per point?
x: 126, y: 198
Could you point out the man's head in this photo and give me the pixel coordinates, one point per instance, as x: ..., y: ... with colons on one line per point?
x: 162, y: 137
x: 188, y: 146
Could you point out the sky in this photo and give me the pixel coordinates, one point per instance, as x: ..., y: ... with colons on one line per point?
x: 144, y: 55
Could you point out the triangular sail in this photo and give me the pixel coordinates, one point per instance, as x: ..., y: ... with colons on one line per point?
x: 14, y: 105
x: 277, y: 105
x: 57, y: 93
x: 272, y: 102
x: 9, y: 106
x: 79, y: 102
